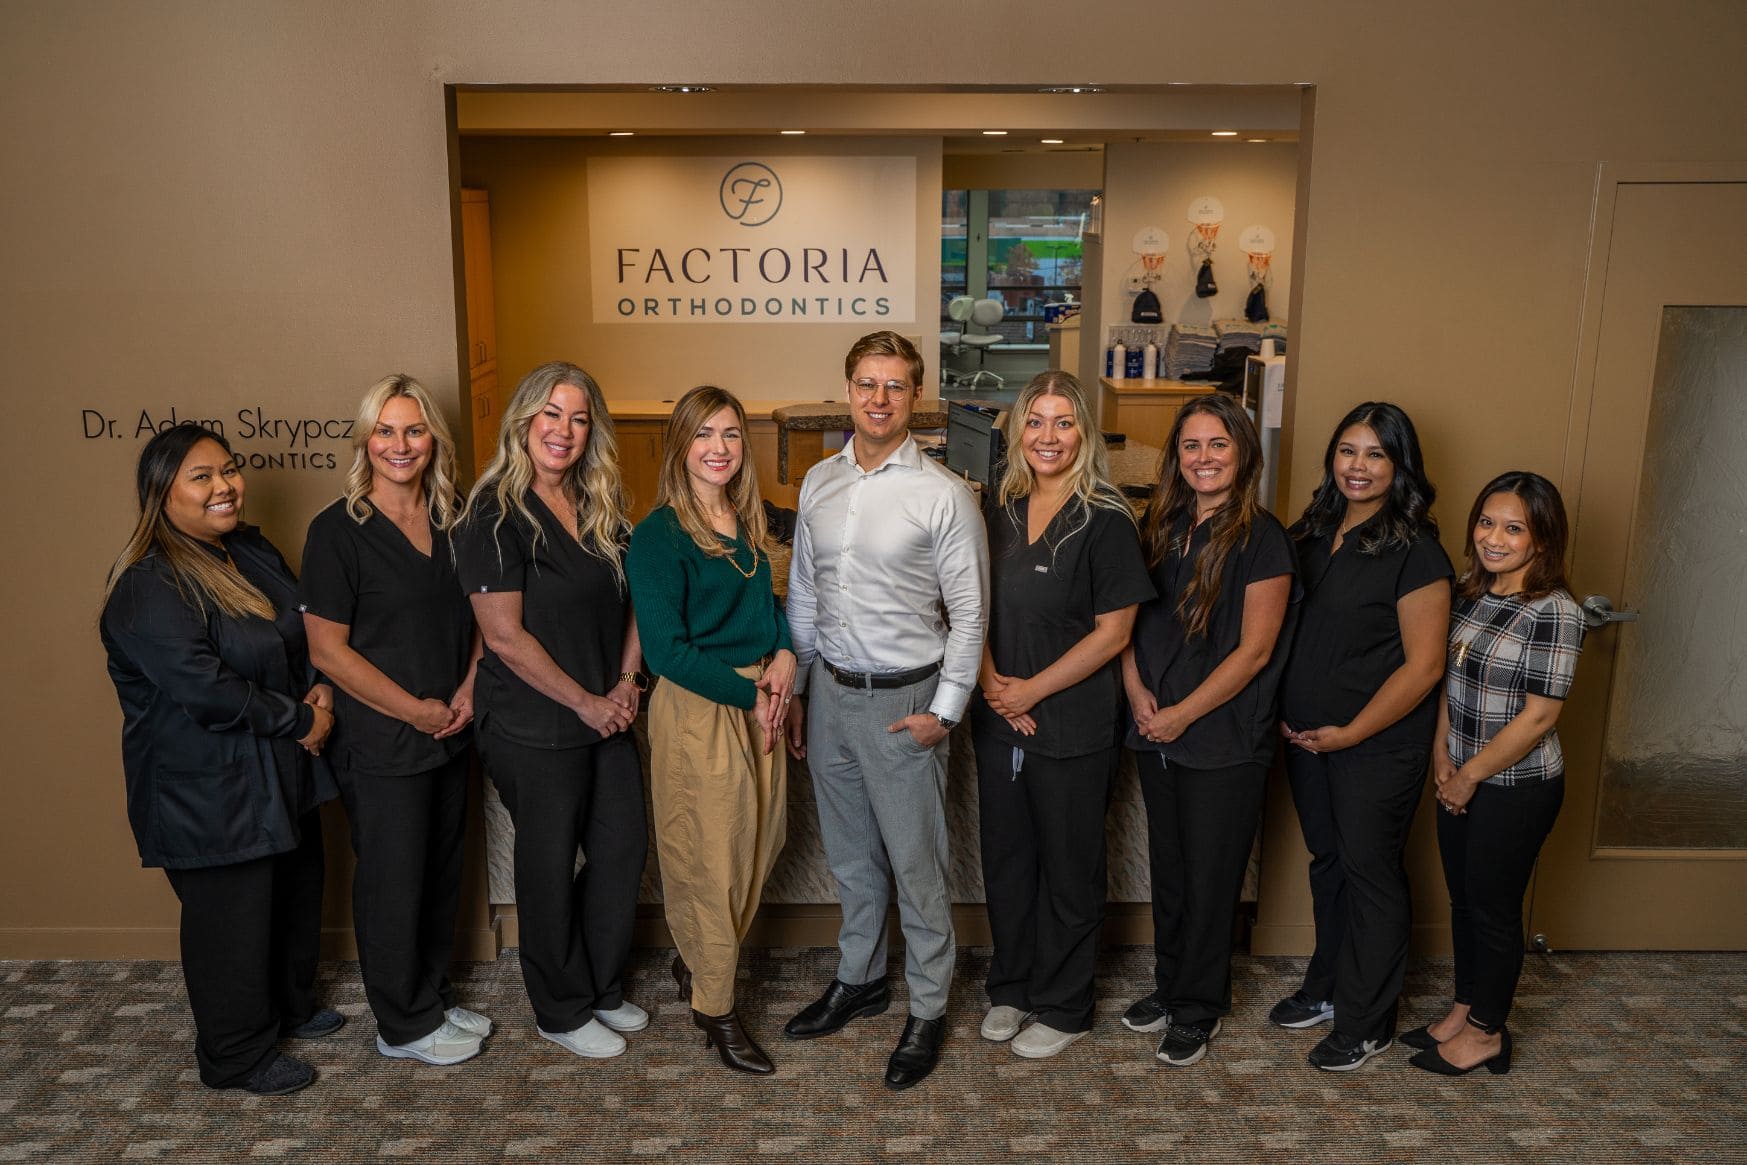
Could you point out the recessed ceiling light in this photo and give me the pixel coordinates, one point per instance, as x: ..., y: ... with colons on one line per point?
x: 1225, y: 133
x: 792, y: 133
x: 682, y: 88
x: 1050, y: 141
x: 621, y: 133
x: 1071, y: 89
x: 994, y: 133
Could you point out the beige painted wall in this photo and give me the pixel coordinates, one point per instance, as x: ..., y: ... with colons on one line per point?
x: 545, y: 308
x: 215, y: 205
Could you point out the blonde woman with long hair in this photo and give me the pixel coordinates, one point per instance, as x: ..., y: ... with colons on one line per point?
x: 1065, y: 577
x: 538, y: 549
x: 700, y: 572
x: 1201, y: 675
x: 221, y: 720
x: 388, y: 624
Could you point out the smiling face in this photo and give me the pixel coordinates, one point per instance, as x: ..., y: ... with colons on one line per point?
x: 879, y: 411
x: 717, y: 450
x: 1502, y: 542
x: 1051, y: 438
x: 558, y: 434
x: 401, y: 445
x: 206, y: 499
x: 1207, y: 459
x: 1362, y: 469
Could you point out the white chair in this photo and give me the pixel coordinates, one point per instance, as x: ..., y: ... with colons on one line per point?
x: 958, y: 310
x: 983, y: 314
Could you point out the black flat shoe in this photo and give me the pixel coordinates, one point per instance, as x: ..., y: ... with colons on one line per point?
x: 840, y: 1004
x: 917, y: 1052
x: 737, y: 1049
x: 1431, y: 1061
x: 1419, y: 1037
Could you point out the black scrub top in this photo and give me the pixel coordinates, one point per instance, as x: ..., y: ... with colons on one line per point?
x: 1044, y: 598
x: 407, y: 616
x: 1173, y: 664
x: 1349, y: 633
x: 573, y: 602
x: 212, y: 709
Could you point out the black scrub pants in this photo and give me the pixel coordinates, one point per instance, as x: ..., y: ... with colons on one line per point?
x: 406, y: 832
x: 1355, y: 807
x: 1042, y: 829
x: 1489, y: 854
x: 1201, y: 828
x: 251, y: 937
x: 575, y: 924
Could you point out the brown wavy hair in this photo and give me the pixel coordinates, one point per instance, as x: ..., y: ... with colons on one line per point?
x: 1229, y: 526
x: 1548, y: 530
x: 674, y: 489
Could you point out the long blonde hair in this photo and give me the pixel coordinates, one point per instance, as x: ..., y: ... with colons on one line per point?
x: 593, y: 484
x: 688, y: 416
x: 199, y: 577
x: 441, y: 496
x: 1088, y: 475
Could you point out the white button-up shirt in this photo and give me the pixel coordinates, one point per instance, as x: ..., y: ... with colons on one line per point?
x: 890, y: 572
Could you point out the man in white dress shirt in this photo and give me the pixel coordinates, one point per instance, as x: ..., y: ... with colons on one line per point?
x: 887, y: 594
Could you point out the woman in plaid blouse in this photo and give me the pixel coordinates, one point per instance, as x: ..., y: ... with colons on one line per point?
x: 1515, y: 635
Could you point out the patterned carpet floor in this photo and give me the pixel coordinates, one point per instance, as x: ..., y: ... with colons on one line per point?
x: 1620, y: 1057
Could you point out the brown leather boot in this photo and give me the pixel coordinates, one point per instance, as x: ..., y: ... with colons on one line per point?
x: 737, y: 1049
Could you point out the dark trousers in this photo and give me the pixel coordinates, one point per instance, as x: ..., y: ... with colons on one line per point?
x: 1044, y: 877
x: 407, y: 834
x: 1355, y: 809
x: 251, y: 936
x: 575, y: 924
x: 1201, y: 827
x: 1489, y: 853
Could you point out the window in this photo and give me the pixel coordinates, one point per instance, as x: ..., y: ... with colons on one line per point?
x: 1021, y: 247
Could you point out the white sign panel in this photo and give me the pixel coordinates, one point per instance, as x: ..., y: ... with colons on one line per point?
x: 753, y: 240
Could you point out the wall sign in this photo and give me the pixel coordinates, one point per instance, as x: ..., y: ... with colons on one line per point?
x: 752, y: 240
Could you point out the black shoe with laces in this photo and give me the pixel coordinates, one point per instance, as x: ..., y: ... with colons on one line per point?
x: 277, y: 1075
x: 325, y: 1022
x: 1342, y: 1053
x: 1147, y: 1014
x: 1185, y: 1044
x: 1299, y: 1010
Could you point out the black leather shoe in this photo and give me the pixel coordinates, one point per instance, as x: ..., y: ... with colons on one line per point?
x: 1420, y: 1038
x: 917, y: 1052
x: 840, y: 1004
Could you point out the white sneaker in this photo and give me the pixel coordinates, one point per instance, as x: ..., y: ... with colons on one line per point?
x: 469, y: 1021
x: 447, y: 1045
x: 592, y: 1040
x: 1040, y: 1041
x: 627, y: 1017
x: 1003, y: 1023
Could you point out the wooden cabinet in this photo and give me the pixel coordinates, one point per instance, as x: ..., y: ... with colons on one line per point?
x: 483, y: 392
x: 640, y: 462
x: 1144, y: 410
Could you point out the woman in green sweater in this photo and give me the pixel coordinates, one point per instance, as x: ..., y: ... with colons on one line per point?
x: 699, y: 568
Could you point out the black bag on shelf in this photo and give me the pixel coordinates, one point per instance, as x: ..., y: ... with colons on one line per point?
x: 1256, y: 306
x: 1205, y: 287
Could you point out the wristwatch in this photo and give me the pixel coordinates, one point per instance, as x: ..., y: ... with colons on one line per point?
x: 636, y: 679
x: 945, y: 723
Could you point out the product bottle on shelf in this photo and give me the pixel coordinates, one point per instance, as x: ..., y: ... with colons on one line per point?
x: 1119, y: 361
x: 1149, y: 361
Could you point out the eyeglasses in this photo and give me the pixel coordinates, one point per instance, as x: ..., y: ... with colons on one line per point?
x: 867, y: 388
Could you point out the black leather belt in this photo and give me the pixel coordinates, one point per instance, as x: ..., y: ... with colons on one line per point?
x: 890, y: 679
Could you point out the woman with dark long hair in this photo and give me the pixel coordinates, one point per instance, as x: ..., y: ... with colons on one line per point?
x: 1515, y: 638
x: 1357, y: 712
x: 539, y: 550
x: 221, y: 720
x: 700, y: 574
x: 1201, y: 676
x: 387, y: 622
x: 1065, y: 576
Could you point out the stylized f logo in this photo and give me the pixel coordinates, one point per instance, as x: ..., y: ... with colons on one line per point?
x: 751, y: 194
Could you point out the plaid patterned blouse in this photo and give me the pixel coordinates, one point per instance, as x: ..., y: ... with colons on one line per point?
x: 1503, y: 649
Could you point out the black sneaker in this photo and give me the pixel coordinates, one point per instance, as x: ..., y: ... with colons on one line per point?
x: 1342, y: 1053
x: 1146, y: 1015
x: 1299, y: 1010
x: 1184, y: 1044
x: 325, y: 1022
x: 279, y: 1075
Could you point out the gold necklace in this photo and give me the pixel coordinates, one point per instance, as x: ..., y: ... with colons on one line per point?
x: 746, y: 574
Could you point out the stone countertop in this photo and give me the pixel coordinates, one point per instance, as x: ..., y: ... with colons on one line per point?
x: 833, y: 416
x: 1135, y: 464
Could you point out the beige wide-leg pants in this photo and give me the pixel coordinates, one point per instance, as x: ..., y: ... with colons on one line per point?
x: 720, y: 822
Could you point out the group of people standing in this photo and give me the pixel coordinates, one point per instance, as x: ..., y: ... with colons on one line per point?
x: 1199, y: 634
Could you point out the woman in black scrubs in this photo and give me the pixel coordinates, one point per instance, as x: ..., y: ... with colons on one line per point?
x: 540, y: 550
x: 388, y: 624
x: 1357, y: 712
x: 1201, y: 676
x: 220, y: 719
x: 1065, y: 575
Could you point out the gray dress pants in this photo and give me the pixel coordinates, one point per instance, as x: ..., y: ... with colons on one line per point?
x: 882, y: 817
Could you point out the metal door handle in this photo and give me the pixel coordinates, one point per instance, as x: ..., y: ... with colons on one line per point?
x: 1598, y: 611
